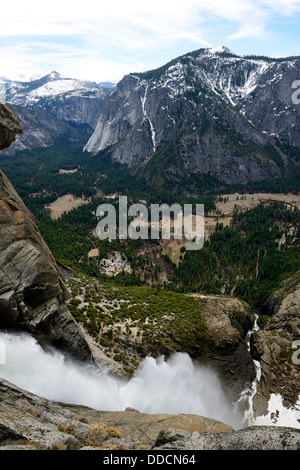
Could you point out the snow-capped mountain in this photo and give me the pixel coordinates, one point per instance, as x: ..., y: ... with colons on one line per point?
x: 258, y: 87
x: 70, y: 99
x: 53, y: 85
x: 52, y: 106
x: 207, y: 112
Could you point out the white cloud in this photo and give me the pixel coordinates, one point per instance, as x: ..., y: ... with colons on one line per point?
x: 283, y: 7
x: 115, y: 36
x: 99, y: 30
x: 248, y: 31
x: 155, y: 18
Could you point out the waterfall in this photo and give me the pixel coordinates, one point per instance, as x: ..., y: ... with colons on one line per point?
x: 276, y: 414
x: 143, y: 102
x: 252, y: 392
x: 173, y: 386
x: 249, y: 394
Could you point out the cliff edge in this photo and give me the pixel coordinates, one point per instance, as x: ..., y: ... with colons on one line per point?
x: 32, y: 293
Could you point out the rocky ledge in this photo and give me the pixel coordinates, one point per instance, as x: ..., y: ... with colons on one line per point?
x: 228, y: 320
x: 28, y: 422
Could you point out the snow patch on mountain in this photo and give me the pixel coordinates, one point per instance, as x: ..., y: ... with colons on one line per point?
x: 219, y: 50
x: 52, y: 85
x: 57, y: 87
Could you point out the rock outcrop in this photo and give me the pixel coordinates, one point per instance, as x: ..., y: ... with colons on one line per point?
x: 40, y: 130
x: 9, y: 126
x: 252, y: 438
x: 228, y: 320
x: 28, y: 422
x: 272, y: 345
x: 32, y: 294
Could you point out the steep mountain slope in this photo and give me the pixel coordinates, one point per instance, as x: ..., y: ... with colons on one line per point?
x: 275, y: 344
x: 205, y: 113
x: 41, y: 129
x: 51, y: 108
x: 52, y: 92
x: 259, y: 87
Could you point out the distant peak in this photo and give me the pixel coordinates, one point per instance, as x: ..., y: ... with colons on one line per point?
x: 54, y: 75
x: 219, y: 50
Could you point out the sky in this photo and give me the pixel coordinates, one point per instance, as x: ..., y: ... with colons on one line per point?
x: 105, y: 40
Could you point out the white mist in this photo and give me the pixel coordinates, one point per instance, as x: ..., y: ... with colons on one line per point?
x: 159, y: 386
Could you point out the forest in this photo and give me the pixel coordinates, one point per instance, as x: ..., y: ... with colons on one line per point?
x: 243, y: 260
x: 37, y: 173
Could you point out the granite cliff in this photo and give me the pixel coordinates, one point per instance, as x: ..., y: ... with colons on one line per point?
x: 208, y: 113
x: 33, y: 298
x: 53, y: 109
x: 9, y: 126
x: 32, y: 294
x: 275, y: 345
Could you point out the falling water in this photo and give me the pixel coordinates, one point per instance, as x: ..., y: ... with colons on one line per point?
x: 249, y: 414
x: 176, y: 385
x: 277, y: 413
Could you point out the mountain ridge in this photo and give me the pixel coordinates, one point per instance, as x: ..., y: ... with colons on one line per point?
x: 209, y: 103
x: 52, y: 107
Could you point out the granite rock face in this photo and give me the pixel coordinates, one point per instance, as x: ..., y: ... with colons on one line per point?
x: 209, y: 112
x: 9, y: 126
x: 28, y: 422
x: 53, y: 109
x: 32, y: 294
x: 251, y: 438
x: 277, y: 346
x: 228, y: 321
x: 40, y: 130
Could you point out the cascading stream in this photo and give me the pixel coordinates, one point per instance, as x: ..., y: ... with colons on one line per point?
x: 249, y: 414
x: 143, y: 102
x: 277, y: 413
